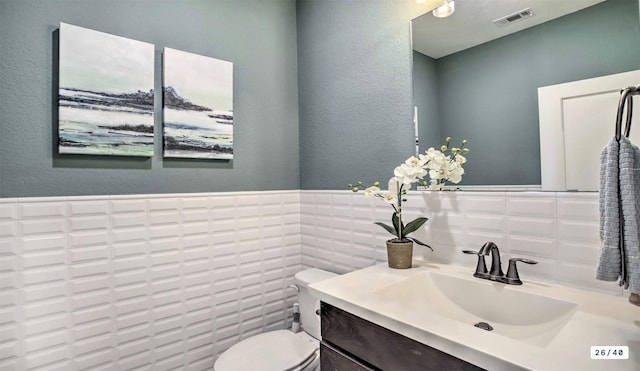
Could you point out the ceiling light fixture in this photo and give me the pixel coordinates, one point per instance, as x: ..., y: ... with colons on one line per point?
x: 445, y: 9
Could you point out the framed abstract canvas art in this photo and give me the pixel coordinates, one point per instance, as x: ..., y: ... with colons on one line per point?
x: 105, y: 96
x: 198, y: 106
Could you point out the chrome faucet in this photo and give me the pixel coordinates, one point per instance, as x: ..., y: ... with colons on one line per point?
x: 496, y: 274
x: 496, y: 265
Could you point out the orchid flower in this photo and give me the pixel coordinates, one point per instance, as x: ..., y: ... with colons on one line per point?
x: 440, y: 168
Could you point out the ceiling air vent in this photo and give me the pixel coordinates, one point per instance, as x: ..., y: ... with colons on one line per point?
x: 515, y: 17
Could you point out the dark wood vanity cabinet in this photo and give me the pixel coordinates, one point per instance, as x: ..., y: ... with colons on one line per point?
x: 352, y: 343
x: 333, y: 359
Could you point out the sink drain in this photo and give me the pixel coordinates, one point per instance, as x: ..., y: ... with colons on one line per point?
x: 484, y: 326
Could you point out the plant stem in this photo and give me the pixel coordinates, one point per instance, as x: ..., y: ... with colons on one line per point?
x: 399, y: 211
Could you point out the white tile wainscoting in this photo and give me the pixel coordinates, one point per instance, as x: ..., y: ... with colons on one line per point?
x: 142, y: 282
x: 560, y: 230
x: 170, y: 281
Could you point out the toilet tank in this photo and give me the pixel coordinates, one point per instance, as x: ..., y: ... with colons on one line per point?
x: 309, y: 320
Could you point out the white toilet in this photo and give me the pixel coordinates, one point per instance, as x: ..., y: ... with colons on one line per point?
x: 283, y: 350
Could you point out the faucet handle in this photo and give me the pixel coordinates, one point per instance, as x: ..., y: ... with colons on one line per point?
x: 512, y: 277
x: 481, y: 267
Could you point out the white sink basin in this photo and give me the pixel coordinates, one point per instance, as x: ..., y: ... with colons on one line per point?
x: 511, y: 311
x: 536, y: 326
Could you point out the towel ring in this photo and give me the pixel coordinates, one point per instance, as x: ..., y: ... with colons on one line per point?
x: 627, y: 126
x: 626, y: 96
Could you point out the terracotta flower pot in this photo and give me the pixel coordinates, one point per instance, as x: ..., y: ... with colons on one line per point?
x: 399, y: 254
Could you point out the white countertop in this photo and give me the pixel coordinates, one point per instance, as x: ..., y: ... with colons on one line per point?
x: 599, y: 320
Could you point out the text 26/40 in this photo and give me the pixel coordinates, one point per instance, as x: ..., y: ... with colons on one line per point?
x: 610, y: 352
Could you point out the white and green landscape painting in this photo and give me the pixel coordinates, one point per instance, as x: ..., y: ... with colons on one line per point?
x: 105, y: 103
x: 198, y: 106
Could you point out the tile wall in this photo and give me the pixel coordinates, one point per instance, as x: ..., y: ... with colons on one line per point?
x: 143, y: 282
x: 170, y: 281
x: 560, y: 230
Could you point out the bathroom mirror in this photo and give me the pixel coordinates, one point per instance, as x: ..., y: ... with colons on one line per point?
x: 477, y: 80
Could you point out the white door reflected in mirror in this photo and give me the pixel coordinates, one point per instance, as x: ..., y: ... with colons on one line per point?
x: 577, y: 119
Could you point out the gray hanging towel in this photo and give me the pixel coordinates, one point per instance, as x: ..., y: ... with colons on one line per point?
x: 610, y: 266
x: 620, y: 214
x: 630, y: 199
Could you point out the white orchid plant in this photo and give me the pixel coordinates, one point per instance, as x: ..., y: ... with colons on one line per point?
x: 444, y: 165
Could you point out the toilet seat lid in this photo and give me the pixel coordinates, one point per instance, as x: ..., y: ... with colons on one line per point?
x: 274, y: 350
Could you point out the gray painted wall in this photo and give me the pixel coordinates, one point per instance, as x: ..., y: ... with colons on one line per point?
x: 342, y: 113
x: 354, y: 82
x: 488, y: 94
x: 425, y: 98
x: 259, y: 37
x: 355, y: 116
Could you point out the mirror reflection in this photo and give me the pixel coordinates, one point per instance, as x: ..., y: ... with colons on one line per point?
x: 477, y: 80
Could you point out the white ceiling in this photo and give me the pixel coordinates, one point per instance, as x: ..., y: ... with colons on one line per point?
x: 472, y: 23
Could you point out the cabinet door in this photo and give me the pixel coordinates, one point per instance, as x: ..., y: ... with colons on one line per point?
x: 332, y: 359
x: 380, y: 347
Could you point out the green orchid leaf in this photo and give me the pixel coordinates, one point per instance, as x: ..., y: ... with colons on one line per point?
x: 420, y: 243
x: 398, y: 225
x: 395, y: 220
x: 414, y: 225
x: 387, y: 227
